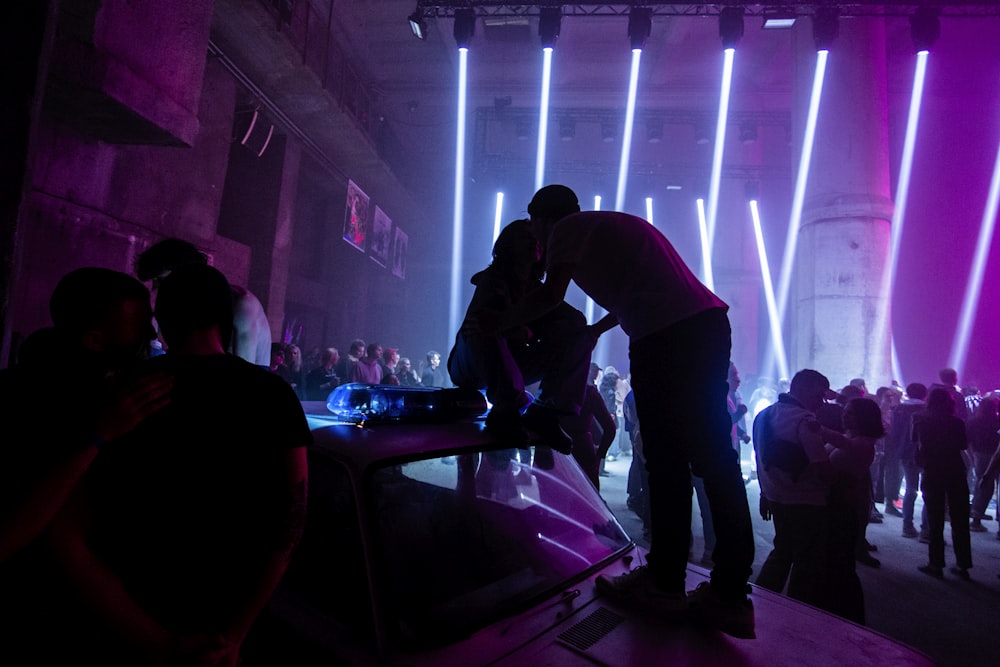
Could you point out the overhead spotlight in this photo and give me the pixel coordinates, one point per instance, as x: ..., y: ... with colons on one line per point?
x: 925, y: 28
x: 567, y: 129
x: 609, y: 130
x: 731, y: 26
x: 654, y: 130
x: 549, y: 21
x: 640, y: 24
x: 418, y: 26
x: 778, y: 18
x: 826, y: 27
x: 465, y: 27
x: 748, y: 132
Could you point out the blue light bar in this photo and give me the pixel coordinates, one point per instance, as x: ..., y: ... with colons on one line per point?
x: 358, y: 403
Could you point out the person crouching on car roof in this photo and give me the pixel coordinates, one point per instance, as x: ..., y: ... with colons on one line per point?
x: 554, y: 349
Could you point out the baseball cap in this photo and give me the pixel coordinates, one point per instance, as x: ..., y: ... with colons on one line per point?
x: 553, y: 201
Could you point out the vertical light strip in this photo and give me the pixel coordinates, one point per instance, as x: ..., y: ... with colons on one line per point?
x: 897, y: 370
x: 454, y: 302
x: 497, y: 217
x: 706, y: 251
x: 777, y: 338
x: 801, y: 180
x: 960, y: 346
x: 902, y: 191
x: 588, y: 309
x: 633, y: 85
x: 649, y: 209
x: 720, y: 144
x: 543, y: 117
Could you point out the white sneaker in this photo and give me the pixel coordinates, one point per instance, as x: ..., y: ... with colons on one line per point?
x: 636, y: 589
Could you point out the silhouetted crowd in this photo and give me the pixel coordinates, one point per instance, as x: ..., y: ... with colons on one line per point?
x: 149, y: 510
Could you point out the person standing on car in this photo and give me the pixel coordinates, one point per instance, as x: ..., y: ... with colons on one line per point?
x: 679, y: 347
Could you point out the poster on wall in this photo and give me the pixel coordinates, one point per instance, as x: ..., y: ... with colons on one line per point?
x: 356, y: 216
x: 378, y: 249
x: 399, y: 253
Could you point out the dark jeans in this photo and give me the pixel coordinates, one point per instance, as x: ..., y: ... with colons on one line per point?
x: 911, y: 473
x: 981, y: 495
x: 893, y: 476
x: 801, y: 533
x: 679, y: 379
x: 559, y: 358
x: 844, y: 595
x: 954, y: 493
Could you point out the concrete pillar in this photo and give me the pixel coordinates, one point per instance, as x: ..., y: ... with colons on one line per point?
x: 282, y: 251
x: 843, y: 245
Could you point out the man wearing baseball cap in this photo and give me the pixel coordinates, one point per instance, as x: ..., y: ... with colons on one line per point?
x: 679, y: 347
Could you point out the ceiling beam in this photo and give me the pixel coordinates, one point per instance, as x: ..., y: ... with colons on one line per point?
x: 847, y: 8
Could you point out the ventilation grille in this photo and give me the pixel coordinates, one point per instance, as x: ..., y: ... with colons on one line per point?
x: 592, y: 629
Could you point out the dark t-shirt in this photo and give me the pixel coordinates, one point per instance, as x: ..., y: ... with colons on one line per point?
x: 185, y: 507
x: 941, y: 439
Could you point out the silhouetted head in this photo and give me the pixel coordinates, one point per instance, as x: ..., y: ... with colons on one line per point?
x: 810, y: 388
x: 553, y: 202
x: 988, y: 407
x: 193, y: 298
x: 103, y: 311
x: 916, y: 391
x: 848, y: 392
x: 940, y: 401
x: 516, y: 246
x: 862, y: 416
x: 329, y: 357
x: 948, y: 376
x: 163, y: 257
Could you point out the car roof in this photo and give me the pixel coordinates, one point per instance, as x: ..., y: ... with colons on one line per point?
x: 363, y: 444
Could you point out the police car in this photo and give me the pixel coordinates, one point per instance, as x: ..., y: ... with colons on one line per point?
x: 430, y: 543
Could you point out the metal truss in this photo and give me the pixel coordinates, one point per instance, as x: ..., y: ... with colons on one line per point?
x: 666, y: 116
x: 846, y: 8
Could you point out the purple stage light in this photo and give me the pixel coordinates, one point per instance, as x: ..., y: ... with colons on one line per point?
x: 899, y: 213
x: 970, y: 303
x: 706, y: 250
x: 729, y: 56
x: 543, y: 117
x: 633, y: 85
x: 777, y: 338
x: 455, y: 298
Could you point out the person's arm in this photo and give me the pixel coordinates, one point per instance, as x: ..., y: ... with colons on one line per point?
x: 539, y: 301
x: 106, y: 597
x: 852, y: 455
x: 810, y: 436
x: 606, y: 323
x: 607, y: 423
x: 286, y: 533
x: 834, y: 438
x: 28, y: 518
x: 986, y: 479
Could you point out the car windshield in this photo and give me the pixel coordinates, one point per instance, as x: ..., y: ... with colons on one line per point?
x: 469, y: 538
